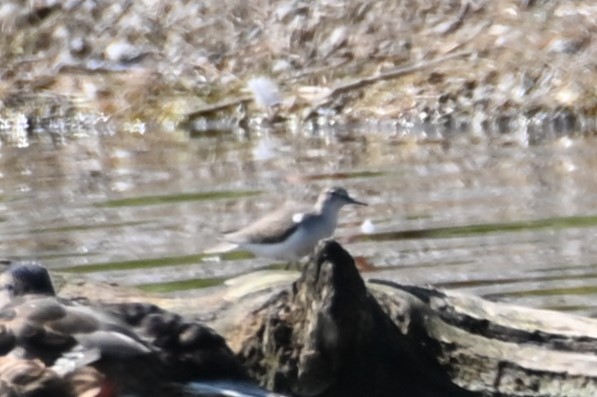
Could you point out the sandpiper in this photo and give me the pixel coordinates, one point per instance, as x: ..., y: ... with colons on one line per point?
x: 287, y: 234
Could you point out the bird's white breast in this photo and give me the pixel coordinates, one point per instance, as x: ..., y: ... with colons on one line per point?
x: 297, y: 245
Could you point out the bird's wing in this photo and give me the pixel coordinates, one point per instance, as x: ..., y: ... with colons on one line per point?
x: 271, y: 229
x: 57, y: 325
x: 26, y: 323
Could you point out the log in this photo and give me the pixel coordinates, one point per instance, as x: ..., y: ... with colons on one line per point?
x: 332, y: 334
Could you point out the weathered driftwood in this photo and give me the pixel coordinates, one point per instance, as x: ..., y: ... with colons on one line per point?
x: 330, y: 334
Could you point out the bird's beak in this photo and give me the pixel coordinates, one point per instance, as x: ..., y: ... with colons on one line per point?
x: 350, y: 200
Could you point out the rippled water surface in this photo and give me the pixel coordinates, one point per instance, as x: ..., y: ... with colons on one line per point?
x: 495, y: 216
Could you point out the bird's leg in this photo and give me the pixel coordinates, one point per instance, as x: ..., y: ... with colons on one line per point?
x: 292, y: 263
x: 298, y: 264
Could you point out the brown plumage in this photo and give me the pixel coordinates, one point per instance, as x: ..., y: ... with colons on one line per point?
x: 57, y: 347
x: 21, y: 377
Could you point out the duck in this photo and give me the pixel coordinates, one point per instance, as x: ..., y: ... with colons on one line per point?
x: 52, y: 346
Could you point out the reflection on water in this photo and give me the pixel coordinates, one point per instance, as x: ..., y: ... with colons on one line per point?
x: 491, y: 216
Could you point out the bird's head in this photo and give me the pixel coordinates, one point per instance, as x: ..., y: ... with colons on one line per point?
x: 336, y: 198
x: 21, y: 278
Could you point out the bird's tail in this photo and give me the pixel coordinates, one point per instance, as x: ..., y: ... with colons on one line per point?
x: 221, y: 248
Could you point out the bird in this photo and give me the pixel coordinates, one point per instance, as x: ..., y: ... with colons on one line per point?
x: 52, y: 346
x: 287, y: 233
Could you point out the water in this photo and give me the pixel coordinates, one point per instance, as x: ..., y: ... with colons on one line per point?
x: 497, y: 215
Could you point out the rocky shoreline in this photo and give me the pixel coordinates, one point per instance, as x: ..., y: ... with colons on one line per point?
x: 507, y: 65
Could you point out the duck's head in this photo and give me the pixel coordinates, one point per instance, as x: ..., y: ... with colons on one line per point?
x: 24, y: 278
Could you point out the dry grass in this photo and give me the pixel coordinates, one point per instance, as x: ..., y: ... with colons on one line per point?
x: 158, y: 60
